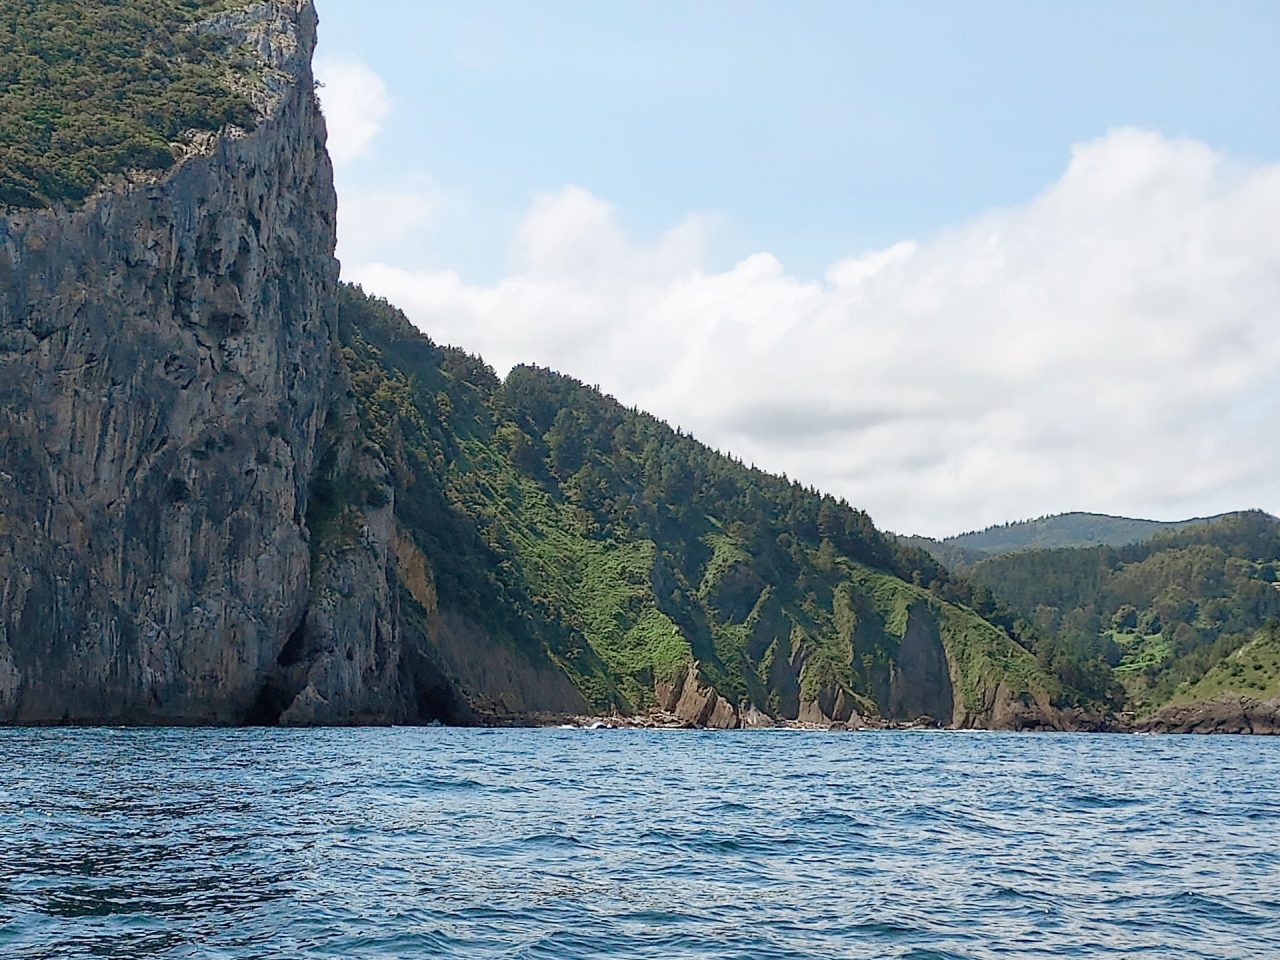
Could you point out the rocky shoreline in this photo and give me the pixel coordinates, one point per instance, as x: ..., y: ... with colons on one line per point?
x: 1225, y: 714
x: 1222, y: 715
x: 1234, y: 715
x: 662, y: 720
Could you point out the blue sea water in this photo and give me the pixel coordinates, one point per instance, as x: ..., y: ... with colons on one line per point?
x: 237, y: 844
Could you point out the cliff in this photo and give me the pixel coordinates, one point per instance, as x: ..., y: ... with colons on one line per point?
x: 166, y: 367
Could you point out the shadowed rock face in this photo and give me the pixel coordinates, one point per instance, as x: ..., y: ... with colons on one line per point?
x: 166, y: 365
x: 695, y: 703
x: 920, y: 679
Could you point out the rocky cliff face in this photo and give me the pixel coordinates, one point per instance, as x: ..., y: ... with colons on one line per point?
x: 165, y: 370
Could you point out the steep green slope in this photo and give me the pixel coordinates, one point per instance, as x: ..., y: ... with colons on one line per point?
x: 1251, y: 671
x: 92, y: 89
x: 1157, y: 615
x: 596, y: 543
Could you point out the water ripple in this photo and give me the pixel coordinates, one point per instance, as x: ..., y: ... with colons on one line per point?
x: 234, y: 845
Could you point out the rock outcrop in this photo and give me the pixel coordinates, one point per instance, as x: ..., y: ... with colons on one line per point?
x: 1225, y: 714
x: 832, y: 705
x: 166, y: 368
x: 696, y: 703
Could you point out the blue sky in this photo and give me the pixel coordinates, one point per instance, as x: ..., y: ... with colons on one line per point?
x: 815, y: 129
x: 805, y: 229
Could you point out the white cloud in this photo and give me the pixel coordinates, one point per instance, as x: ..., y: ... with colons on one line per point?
x: 373, y: 222
x: 376, y: 222
x: 1110, y: 345
x: 355, y: 103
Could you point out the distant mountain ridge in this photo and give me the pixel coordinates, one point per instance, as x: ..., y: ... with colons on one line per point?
x: 1070, y: 530
x: 1056, y: 532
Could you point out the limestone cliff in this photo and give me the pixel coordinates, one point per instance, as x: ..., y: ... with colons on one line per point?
x: 166, y: 366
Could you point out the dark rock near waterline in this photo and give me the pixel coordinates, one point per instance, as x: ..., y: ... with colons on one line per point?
x: 696, y: 703
x: 1226, y: 714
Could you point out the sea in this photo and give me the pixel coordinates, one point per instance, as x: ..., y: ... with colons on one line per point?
x: 548, y: 843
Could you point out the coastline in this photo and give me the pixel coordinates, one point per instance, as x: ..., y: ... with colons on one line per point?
x: 1243, y: 717
x: 1228, y: 715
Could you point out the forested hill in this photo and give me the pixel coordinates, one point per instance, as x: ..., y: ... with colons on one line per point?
x: 1046, y: 533
x: 600, y: 543
x: 1157, y: 615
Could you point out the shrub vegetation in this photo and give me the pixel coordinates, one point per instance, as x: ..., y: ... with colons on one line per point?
x: 92, y: 89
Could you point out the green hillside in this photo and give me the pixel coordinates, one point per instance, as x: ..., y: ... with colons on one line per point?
x: 92, y: 89
x: 1157, y: 615
x: 1253, y: 670
x: 596, y: 539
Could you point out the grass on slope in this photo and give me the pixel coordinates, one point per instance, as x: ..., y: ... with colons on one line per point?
x: 602, y: 589
x: 983, y: 656
x: 1251, y: 671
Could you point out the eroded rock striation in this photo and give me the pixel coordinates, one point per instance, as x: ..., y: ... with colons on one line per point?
x: 696, y: 703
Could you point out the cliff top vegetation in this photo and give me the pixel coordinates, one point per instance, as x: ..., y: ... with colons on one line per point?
x: 92, y: 89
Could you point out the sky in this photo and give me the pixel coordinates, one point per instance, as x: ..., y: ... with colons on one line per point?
x: 959, y: 264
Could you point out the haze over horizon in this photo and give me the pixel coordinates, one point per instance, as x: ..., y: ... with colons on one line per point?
x: 959, y: 270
